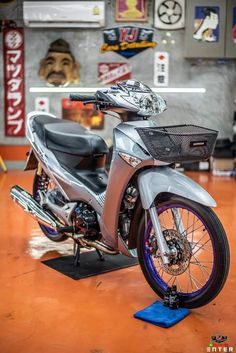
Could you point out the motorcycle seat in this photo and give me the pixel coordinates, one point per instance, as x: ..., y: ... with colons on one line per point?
x: 68, y: 137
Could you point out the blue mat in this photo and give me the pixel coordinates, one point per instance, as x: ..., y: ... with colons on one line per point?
x: 160, y: 315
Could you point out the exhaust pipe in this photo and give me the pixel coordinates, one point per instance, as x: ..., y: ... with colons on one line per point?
x: 33, y: 208
x: 98, y: 245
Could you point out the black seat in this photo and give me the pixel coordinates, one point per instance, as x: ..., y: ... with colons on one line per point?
x: 68, y: 137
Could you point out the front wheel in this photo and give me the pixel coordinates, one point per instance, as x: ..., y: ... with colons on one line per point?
x: 200, y: 265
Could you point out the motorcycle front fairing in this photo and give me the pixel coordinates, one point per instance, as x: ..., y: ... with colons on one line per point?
x: 154, y: 177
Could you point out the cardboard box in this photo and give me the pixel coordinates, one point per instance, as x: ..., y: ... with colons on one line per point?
x: 222, y: 164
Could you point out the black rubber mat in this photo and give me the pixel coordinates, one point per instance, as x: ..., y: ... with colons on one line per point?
x: 90, y: 265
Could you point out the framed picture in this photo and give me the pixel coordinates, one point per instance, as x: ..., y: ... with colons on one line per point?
x: 206, y: 24
x: 131, y: 10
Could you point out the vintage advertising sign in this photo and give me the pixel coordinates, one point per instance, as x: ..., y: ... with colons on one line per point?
x: 13, y: 49
x: 161, y: 68
x: 169, y: 14
x: 206, y: 24
x: 127, y: 41
x: 86, y: 115
x: 113, y: 72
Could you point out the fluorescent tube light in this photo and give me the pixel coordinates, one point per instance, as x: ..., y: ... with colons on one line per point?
x: 94, y: 89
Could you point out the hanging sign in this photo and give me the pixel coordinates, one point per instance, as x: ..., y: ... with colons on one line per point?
x: 161, y: 69
x: 113, y: 72
x: 127, y: 41
x: 13, y: 49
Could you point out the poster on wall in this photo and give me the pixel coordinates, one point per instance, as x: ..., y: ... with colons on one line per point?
x: 169, y: 14
x: 59, y: 67
x: 234, y: 25
x: 127, y: 41
x: 109, y: 73
x: 161, y: 68
x: 206, y: 24
x: 13, y: 61
x: 131, y: 10
x: 42, y: 104
x: 86, y: 115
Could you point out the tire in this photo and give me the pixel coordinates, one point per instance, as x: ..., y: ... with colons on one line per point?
x: 220, y: 254
x: 49, y: 232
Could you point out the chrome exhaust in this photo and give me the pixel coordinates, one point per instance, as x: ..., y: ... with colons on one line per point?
x: 98, y: 245
x: 33, y: 208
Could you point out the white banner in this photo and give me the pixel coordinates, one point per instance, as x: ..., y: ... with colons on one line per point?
x: 161, y: 68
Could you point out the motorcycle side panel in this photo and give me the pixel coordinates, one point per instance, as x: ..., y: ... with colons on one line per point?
x: 127, y: 140
x: 164, y: 179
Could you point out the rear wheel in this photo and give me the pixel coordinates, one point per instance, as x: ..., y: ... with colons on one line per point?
x: 201, y: 264
x: 42, y: 182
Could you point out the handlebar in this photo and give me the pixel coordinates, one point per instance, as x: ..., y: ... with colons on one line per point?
x: 82, y: 97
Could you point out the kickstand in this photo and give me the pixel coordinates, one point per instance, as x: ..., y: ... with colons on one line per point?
x: 101, y: 257
x: 76, y: 254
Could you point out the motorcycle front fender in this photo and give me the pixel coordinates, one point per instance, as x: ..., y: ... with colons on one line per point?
x: 155, y: 181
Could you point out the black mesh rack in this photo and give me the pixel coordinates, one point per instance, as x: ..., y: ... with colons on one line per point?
x: 179, y: 143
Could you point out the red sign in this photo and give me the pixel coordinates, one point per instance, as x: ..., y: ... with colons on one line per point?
x: 113, y: 72
x: 13, y: 48
x: 85, y: 115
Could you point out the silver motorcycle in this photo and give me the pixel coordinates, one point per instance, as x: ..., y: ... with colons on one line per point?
x: 143, y: 207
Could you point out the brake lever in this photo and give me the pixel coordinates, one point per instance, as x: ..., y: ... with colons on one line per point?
x: 90, y: 102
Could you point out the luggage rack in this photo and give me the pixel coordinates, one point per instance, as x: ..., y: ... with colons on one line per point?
x: 179, y: 143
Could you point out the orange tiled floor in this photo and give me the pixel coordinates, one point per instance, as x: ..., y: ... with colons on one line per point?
x: 42, y: 311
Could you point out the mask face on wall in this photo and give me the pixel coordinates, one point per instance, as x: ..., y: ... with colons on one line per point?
x: 59, y: 67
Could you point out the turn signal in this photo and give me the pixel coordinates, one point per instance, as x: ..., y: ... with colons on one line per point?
x: 131, y: 160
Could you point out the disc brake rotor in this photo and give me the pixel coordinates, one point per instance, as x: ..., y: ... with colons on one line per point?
x: 180, y: 251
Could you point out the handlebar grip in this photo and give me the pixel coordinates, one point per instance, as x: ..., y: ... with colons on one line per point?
x: 82, y: 97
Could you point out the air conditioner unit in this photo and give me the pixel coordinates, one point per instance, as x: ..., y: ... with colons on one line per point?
x: 68, y: 14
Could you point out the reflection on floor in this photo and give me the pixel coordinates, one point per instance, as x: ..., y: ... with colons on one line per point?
x: 40, y: 245
x: 43, y: 311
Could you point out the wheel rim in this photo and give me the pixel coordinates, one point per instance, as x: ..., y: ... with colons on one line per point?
x: 187, y: 285
x: 51, y: 231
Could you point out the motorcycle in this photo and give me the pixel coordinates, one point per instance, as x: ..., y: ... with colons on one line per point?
x: 143, y: 207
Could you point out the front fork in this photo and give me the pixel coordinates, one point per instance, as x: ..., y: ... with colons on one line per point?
x: 165, y: 252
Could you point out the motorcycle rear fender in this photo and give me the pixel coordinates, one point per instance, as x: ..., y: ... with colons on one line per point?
x: 155, y: 181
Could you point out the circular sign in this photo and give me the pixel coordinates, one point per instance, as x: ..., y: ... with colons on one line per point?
x: 13, y: 39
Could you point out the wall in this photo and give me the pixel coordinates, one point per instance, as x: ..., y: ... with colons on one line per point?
x: 213, y: 109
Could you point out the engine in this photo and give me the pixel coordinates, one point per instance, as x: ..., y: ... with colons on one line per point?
x: 85, y: 219
x: 129, y: 201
